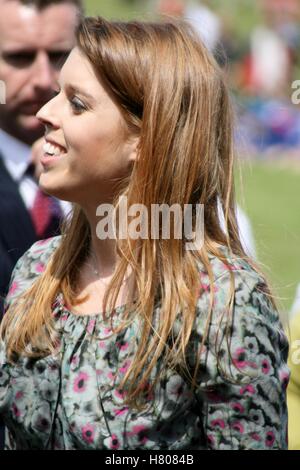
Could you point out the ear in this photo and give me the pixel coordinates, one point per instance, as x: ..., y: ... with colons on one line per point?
x: 133, y: 149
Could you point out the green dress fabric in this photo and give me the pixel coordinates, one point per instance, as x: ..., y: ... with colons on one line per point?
x: 72, y: 400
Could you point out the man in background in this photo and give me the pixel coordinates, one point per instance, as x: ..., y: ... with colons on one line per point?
x: 35, y: 38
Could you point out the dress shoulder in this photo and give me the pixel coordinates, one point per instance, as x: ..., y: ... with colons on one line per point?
x: 249, y: 289
x: 30, y: 266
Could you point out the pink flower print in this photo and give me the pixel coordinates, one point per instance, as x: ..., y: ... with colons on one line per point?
x: 214, y: 397
x: 119, y: 394
x: 270, y: 438
x: 19, y: 395
x: 91, y: 325
x: 255, y: 436
x: 122, y: 345
x: 40, y: 267
x: 148, y: 391
x: 101, y: 344
x: 238, y: 427
x: 206, y: 287
x: 218, y: 423
x: 88, y: 433
x: 120, y: 412
x: 16, y: 410
x: 114, y: 442
x: 80, y: 382
x: 125, y: 367
x: 232, y: 267
x: 42, y: 242
x: 210, y: 439
x: 139, y: 431
x: 111, y: 376
x: 238, y: 407
x: 247, y: 388
x: 265, y: 366
x: 14, y: 286
x: 107, y: 331
x: 284, y: 378
x: 239, y: 358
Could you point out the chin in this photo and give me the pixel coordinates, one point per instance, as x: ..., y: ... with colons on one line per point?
x: 48, y: 184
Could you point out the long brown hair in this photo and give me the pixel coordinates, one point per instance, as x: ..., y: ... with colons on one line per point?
x: 173, y: 96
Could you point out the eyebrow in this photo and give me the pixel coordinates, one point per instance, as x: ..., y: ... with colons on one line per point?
x: 77, y: 89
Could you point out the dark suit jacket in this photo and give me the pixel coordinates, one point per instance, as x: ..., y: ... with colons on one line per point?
x: 16, y: 229
x: 16, y: 236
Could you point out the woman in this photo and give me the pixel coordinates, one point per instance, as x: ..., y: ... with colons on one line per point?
x: 139, y: 342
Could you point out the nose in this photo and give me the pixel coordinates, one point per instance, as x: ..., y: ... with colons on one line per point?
x: 47, y: 116
x: 43, y: 73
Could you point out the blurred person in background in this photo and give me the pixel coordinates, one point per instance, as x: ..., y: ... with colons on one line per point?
x: 269, y: 120
x: 205, y: 21
x: 270, y: 71
x: 35, y: 38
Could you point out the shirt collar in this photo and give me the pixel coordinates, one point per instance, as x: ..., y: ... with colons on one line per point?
x: 15, y: 154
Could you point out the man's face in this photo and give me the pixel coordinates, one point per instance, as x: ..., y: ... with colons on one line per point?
x: 33, y: 46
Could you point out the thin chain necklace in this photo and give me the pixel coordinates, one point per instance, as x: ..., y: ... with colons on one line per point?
x: 96, y: 270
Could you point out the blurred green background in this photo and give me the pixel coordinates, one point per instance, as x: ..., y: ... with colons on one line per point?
x: 269, y: 191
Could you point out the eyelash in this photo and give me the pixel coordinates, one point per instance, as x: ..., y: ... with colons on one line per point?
x: 75, y: 103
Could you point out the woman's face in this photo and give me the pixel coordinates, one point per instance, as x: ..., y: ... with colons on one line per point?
x: 87, y: 146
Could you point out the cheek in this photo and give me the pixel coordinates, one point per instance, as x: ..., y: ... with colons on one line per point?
x: 15, y: 81
x: 92, y: 145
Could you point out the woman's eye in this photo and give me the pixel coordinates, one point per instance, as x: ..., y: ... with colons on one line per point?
x: 77, y: 105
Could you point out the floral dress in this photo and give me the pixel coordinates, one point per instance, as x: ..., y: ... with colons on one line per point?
x: 72, y: 400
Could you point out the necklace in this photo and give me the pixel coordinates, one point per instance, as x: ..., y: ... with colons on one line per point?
x: 96, y: 270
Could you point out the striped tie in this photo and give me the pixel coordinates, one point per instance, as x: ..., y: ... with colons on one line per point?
x: 46, y: 215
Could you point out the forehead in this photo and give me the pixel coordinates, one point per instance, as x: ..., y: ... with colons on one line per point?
x: 23, y: 26
x: 79, y: 71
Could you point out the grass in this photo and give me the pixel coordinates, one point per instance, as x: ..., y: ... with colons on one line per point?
x: 270, y: 196
x: 240, y: 17
x: 116, y: 9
